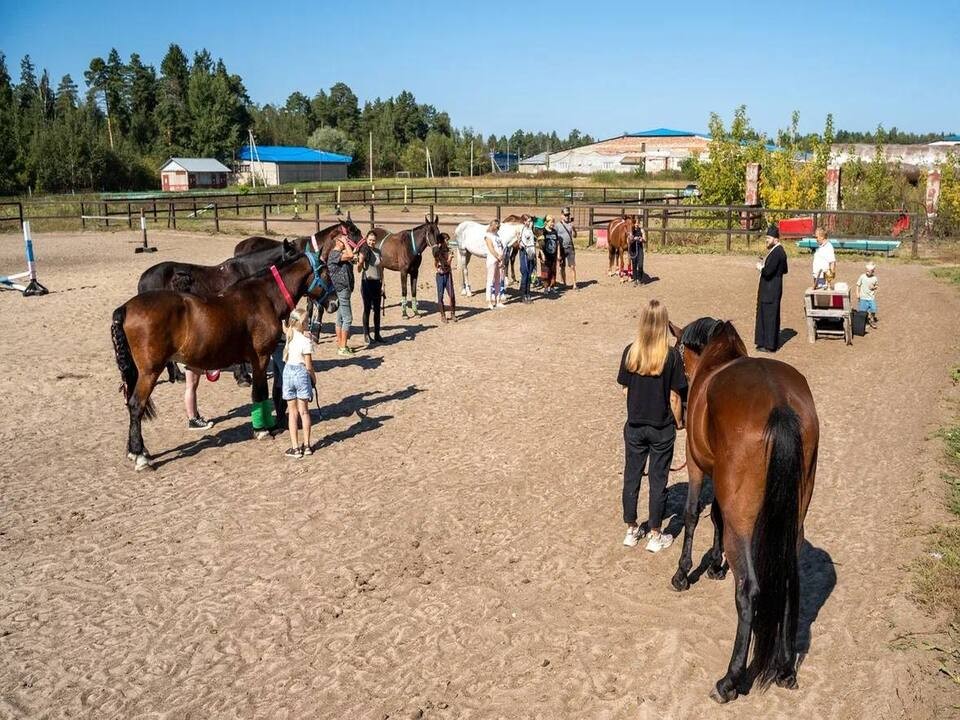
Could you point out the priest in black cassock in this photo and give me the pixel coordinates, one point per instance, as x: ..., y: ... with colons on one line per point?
x: 772, y: 270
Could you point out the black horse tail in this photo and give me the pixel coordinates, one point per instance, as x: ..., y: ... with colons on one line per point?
x: 775, y: 546
x: 126, y: 364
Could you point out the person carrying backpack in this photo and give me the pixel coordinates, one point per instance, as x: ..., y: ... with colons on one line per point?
x: 551, y: 244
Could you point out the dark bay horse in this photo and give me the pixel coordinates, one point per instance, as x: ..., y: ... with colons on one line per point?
x: 618, y: 239
x: 402, y: 251
x: 752, y: 427
x: 207, y: 280
x: 320, y: 242
x: 241, y: 324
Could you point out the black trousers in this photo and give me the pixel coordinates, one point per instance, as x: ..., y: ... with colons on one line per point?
x: 371, y: 291
x: 767, y: 332
x: 641, y: 442
x: 279, y: 404
x: 637, y: 265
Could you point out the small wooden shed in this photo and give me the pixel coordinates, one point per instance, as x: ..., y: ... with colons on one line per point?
x: 181, y: 174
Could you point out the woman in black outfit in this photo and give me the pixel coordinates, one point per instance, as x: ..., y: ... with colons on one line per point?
x: 638, y: 242
x: 651, y: 373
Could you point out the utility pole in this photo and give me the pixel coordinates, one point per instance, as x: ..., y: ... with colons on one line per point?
x: 471, y: 158
x: 371, y: 157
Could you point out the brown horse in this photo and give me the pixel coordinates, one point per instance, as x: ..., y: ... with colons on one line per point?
x: 242, y: 323
x: 402, y: 251
x: 752, y: 427
x: 207, y: 280
x: 618, y: 239
x: 320, y: 242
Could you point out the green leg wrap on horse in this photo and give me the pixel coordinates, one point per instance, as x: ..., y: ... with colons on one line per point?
x: 415, y: 306
x: 269, y: 419
x: 256, y: 416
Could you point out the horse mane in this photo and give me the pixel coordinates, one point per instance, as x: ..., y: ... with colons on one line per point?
x: 697, y: 334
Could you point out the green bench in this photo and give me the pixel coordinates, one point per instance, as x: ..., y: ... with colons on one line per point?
x: 862, y: 245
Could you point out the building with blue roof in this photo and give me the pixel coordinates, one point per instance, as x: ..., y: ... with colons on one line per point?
x: 281, y: 164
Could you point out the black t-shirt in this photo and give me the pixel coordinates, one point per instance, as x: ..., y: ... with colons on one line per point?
x: 648, y: 396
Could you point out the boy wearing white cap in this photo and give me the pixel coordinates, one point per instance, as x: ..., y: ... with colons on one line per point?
x: 867, y: 293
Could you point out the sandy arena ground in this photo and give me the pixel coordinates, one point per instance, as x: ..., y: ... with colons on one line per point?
x: 453, y: 549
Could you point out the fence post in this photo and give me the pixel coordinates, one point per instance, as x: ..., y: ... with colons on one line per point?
x: 604, y: 194
x: 914, y: 249
x: 663, y: 226
x: 372, y: 216
x: 571, y: 195
x: 508, y: 195
x: 83, y: 220
x: 154, y: 210
x: 236, y: 203
x: 498, y: 213
x: 434, y: 194
x: 129, y: 217
x: 472, y: 190
x: 173, y: 214
x: 536, y: 195
x: 264, y: 209
x: 729, y: 228
x: 316, y: 216
x: 106, y: 214
x: 216, y: 217
x: 194, y: 208
x: 432, y: 216
x: 590, y: 220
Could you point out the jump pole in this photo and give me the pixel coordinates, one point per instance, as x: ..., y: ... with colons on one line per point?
x: 143, y: 231
x: 33, y: 287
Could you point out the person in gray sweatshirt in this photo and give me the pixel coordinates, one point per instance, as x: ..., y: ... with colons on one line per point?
x: 371, y: 289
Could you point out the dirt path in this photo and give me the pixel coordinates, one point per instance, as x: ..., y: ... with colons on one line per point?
x: 454, y: 546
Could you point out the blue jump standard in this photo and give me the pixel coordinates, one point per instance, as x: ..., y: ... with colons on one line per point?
x: 855, y: 244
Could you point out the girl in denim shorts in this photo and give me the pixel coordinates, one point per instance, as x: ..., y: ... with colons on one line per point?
x: 299, y: 380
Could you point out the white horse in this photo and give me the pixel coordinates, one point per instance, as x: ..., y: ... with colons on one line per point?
x: 471, y: 240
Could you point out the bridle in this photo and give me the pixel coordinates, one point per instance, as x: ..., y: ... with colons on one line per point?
x: 317, y: 264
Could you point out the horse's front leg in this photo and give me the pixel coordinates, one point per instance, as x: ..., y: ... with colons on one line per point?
x: 175, y: 374
x: 261, y: 413
x: 403, y: 293
x: 464, y: 260
x: 691, y: 514
x: 716, y: 570
x: 414, y: 276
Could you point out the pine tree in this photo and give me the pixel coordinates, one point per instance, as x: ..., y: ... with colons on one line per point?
x: 27, y: 89
x: 67, y: 97
x: 142, y: 86
x: 172, y: 117
x: 10, y: 166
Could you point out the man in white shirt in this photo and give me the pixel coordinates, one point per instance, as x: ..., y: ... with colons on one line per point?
x: 824, y: 261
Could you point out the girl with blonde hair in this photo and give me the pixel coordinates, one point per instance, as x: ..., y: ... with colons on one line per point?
x: 494, y: 265
x: 299, y: 380
x: 651, y: 374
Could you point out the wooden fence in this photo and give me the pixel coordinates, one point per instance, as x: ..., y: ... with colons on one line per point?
x: 666, y: 224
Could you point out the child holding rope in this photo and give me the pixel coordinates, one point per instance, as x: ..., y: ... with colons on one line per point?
x: 299, y: 380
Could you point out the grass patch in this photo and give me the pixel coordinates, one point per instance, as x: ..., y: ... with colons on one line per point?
x: 950, y: 274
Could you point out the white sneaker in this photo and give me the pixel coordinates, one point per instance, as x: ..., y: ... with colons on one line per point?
x: 633, y: 536
x: 659, y: 541
x: 501, y: 305
x: 490, y: 306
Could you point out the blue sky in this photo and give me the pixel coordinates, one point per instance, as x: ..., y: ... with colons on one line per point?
x: 602, y: 67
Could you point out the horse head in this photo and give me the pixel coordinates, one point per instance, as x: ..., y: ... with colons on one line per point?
x: 707, y: 342
x: 321, y: 285
x: 351, y: 229
x: 289, y: 250
x: 432, y: 230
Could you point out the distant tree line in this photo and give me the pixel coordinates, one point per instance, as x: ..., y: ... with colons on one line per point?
x: 116, y: 132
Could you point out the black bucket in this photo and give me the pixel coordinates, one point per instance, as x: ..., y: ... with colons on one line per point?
x: 859, y: 322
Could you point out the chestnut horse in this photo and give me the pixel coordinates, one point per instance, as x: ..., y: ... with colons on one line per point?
x: 206, y: 280
x: 242, y: 323
x: 752, y: 427
x: 402, y: 251
x: 618, y: 239
x: 320, y: 242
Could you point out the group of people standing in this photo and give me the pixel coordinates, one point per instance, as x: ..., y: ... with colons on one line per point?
x: 544, y: 242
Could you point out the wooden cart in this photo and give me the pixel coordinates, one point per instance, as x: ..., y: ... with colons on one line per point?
x: 829, y: 305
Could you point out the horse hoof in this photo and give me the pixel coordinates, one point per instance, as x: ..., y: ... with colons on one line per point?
x: 680, y: 581
x: 788, y: 681
x: 723, y: 696
x: 716, y: 573
x: 142, y: 463
x: 261, y: 434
